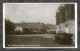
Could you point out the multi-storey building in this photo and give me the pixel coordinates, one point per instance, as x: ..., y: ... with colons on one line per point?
x: 30, y: 26
x: 65, y: 19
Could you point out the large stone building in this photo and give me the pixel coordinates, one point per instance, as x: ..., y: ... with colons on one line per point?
x: 65, y: 19
x: 34, y: 27
x: 30, y: 26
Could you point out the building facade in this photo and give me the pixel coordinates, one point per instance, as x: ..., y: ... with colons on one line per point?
x: 30, y: 26
x: 65, y: 19
x: 35, y: 27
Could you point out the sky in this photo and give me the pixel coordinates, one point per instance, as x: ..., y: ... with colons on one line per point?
x: 32, y: 12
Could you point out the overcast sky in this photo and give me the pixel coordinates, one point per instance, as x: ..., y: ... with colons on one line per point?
x: 38, y: 12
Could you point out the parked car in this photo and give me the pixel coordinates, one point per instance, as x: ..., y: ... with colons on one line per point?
x: 64, y: 38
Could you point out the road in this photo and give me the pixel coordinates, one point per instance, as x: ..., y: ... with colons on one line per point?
x: 41, y: 35
x: 40, y: 40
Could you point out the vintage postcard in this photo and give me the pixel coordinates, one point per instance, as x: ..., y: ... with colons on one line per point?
x: 39, y: 25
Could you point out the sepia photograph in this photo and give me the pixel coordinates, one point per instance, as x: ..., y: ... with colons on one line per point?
x: 39, y: 25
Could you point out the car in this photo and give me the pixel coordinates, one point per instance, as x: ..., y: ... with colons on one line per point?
x: 64, y: 38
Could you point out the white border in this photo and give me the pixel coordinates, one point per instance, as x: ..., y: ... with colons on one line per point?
x: 40, y: 47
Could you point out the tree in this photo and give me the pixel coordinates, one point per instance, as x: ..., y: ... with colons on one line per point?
x: 70, y: 11
x: 9, y: 27
x: 60, y: 15
x: 57, y: 18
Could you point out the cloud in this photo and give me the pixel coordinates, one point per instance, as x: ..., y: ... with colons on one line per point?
x: 32, y: 12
